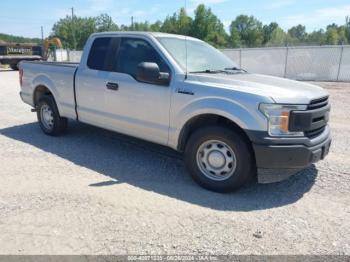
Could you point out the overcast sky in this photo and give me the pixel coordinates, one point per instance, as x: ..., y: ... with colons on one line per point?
x: 24, y: 17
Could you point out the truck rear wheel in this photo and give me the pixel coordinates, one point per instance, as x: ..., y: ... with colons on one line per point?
x: 49, y: 118
x: 219, y: 159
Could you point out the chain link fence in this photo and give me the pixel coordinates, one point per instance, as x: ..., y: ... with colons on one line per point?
x: 74, y: 56
x: 312, y: 63
x: 64, y: 55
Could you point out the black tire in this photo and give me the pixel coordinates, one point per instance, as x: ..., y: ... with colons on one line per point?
x: 244, y: 170
x: 58, y: 124
x: 14, y: 67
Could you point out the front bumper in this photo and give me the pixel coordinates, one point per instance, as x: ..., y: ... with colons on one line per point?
x: 279, y: 158
x: 290, y: 156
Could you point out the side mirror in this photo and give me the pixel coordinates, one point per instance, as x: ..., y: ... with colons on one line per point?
x: 150, y: 73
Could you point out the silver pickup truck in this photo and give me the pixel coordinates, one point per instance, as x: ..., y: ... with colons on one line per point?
x: 232, y: 126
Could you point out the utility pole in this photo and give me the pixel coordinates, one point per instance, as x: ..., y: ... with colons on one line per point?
x: 73, y: 31
x: 42, y: 35
x: 132, y: 23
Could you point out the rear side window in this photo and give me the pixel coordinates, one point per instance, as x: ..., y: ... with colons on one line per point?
x: 99, y: 53
x: 133, y: 51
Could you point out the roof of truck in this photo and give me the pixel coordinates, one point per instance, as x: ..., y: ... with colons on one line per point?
x: 142, y: 33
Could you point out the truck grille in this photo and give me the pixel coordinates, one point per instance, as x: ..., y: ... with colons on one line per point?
x: 318, y: 103
x: 312, y: 121
x: 314, y: 133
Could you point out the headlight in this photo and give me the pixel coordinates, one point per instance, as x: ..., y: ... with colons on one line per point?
x: 278, y: 118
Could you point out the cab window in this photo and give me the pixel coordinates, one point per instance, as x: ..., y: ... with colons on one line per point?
x: 98, y: 55
x: 132, y: 52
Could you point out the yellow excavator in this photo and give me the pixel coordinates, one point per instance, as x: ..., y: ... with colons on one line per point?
x: 50, y: 45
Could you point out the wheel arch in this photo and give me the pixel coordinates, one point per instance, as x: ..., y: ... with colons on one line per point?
x: 43, y: 84
x: 39, y: 91
x: 206, y: 120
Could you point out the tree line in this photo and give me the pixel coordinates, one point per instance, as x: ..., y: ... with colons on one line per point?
x: 5, y: 38
x: 244, y: 31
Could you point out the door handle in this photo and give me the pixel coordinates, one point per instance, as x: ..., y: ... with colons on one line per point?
x: 112, y: 86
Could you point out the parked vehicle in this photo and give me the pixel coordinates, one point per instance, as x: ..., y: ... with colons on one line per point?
x: 183, y: 93
x: 13, y: 53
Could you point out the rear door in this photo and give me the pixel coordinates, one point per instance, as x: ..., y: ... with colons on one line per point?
x: 90, y: 83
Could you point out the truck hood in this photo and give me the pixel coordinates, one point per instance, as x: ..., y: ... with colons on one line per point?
x: 281, y: 90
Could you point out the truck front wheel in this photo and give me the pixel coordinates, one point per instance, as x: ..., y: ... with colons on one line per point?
x: 219, y: 159
x: 49, y: 118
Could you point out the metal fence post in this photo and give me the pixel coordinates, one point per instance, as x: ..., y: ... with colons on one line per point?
x: 286, y: 62
x: 340, y: 61
x: 240, y: 58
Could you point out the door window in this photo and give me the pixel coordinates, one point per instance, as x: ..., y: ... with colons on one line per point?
x: 132, y: 52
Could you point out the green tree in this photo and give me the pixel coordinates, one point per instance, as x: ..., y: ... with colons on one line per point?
x: 332, y: 37
x: 347, y: 28
x: 268, y: 31
x: 104, y: 23
x: 244, y: 31
x: 336, y: 35
x: 156, y: 27
x: 250, y: 30
x: 316, y: 37
x: 170, y: 24
x: 208, y: 27
x: 234, y: 38
x: 184, y: 22
x: 83, y: 28
x: 5, y: 38
x: 74, y: 32
x: 278, y: 37
x: 298, y: 32
x: 142, y: 26
x: 342, y: 34
x: 200, y: 23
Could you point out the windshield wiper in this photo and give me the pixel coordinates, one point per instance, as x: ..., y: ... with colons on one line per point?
x: 235, y: 69
x: 209, y: 71
x: 225, y: 70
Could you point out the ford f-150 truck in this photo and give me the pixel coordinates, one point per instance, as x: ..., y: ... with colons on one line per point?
x: 232, y: 126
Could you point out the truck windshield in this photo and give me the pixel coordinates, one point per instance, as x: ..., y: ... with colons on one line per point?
x: 201, y: 57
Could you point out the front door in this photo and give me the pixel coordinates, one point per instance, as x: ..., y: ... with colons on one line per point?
x: 139, y: 109
x: 125, y: 104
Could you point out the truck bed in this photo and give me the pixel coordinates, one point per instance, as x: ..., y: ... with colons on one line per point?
x: 48, y: 63
x: 57, y: 76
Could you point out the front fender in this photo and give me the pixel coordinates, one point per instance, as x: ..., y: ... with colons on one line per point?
x: 246, y: 116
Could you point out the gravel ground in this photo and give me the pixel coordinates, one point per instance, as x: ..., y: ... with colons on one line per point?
x: 96, y: 192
